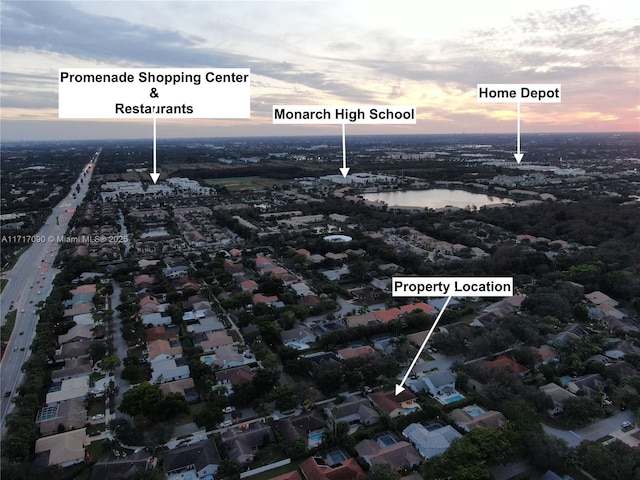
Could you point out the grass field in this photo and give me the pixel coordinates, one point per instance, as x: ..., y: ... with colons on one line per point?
x: 239, y: 184
x: 3, y: 283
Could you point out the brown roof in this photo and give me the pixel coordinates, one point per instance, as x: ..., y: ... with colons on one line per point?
x: 160, y: 333
x: 91, y: 288
x: 547, y: 353
x: 294, y: 475
x: 292, y: 428
x: 177, y: 386
x: 356, y: 352
x: 235, y: 376
x: 426, y: 308
x: 398, y: 455
x: 388, y: 315
x: 487, y: 419
x: 315, y: 468
x: 388, y: 401
x: 159, y: 347
x: 502, y: 362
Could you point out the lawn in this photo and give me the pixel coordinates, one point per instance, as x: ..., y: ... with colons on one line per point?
x: 276, y: 471
x: 240, y: 184
x: 3, y: 283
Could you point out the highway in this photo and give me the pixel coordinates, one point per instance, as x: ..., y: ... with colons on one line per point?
x: 30, y: 281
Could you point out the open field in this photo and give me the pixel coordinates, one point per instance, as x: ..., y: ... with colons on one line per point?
x: 237, y: 184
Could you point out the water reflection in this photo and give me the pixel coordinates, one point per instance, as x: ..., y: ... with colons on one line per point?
x: 435, y: 198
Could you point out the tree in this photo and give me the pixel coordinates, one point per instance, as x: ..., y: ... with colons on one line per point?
x: 158, y: 435
x: 110, y: 363
x: 143, y: 399
x: 609, y: 462
x: 284, y: 397
x: 229, y: 467
x: 171, y: 405
x: 298, y: 448
x: 383, y: 471
x: 579, y: 410
x: 97, y: 350
x: 329, y: 380
x: 548, y: 453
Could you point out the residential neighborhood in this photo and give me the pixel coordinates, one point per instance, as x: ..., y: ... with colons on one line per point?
x: 253, y: 334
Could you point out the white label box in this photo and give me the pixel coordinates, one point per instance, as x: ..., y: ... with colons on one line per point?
x: 154, y: 93
x: 452, y: 286
x: 519, y: 93
x: 340, y: 114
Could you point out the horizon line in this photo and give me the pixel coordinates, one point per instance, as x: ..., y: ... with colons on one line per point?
x: 5, y: 141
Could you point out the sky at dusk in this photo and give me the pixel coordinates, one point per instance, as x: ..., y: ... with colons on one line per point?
x: 428, y: 54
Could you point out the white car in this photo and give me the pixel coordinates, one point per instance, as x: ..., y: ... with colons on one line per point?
x: 226, y: 423
x: 99, y: 416
x: 229, y: 409
x: 626, y: 424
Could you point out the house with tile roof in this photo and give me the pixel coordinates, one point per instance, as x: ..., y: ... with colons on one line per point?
x: 158, y: 350
x: 395, y: 405
x: 243, y: 444
x: 300, y: 426
x: 399, y: 454
x: 438, y: 383
x: 599, y: 298
x: 61, y: 450
x: 472, y: 417
x: 425, y: 307
x: 121, y: 467
x: 558, y: 395
x: 231, y: 377
x: 430, y: 443
x: 202, y: 458
x: 506, y: 363
x: 353, y: 410
x: 317, y: 468
x: 185, y: 387
x: 355, y: 351
x: 385, y: 316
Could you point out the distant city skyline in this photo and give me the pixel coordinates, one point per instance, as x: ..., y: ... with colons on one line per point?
x: 317, y: 52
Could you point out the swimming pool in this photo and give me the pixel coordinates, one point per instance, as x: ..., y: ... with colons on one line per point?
x: 454, y: 399
x: 335, y: 456
x: 208, y: 359
x: 386, y: 440
x: 474, y: 411
x: 315, y: 438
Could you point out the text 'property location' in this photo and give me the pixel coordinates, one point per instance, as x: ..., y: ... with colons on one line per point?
x: 452, y: 286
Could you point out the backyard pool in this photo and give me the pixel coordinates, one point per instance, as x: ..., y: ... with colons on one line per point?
x: 454, y: 399
x: 474, y: 411
x: 386, y: 440
x: 208, y: 359
x: 315, y: 438
x: 335, y: 456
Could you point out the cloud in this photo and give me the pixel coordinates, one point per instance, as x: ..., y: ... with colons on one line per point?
x: 61, y: 28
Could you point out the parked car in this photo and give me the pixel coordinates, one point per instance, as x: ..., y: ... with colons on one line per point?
x: 229, y: 409
x: 226, y: 423
x: 626, y: 424
x: 98, y: 416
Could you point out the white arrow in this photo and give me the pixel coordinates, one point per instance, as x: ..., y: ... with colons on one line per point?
x: 518, y: 156
x: 344, y: 170
x: 399, y: 387
x: 154, y: 175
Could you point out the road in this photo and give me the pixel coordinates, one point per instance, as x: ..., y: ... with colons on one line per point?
x: 596, y: 430
x: 30, y: 281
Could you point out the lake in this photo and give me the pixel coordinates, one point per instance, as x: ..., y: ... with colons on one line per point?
x: 435, y: 198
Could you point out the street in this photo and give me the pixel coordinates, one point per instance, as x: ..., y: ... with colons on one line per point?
x: 29, y: 282
x: 596, y: 430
